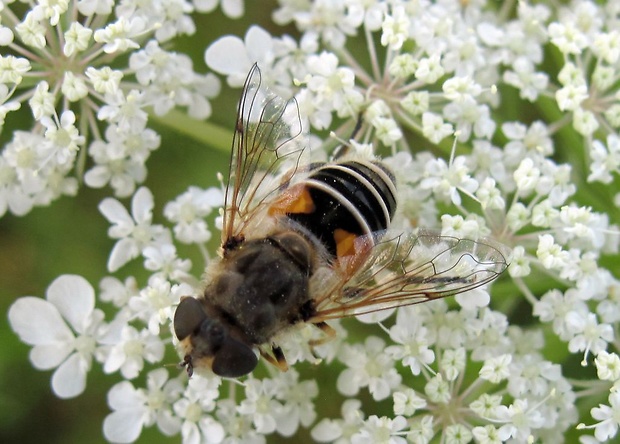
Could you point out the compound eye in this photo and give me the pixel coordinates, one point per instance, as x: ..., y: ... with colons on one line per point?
x: 188, y: 317
x: 212, y: 332
x: 234, y: 359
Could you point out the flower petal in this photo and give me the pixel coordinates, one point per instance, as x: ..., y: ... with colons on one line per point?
x: 38, y: 322
x: 123, y: 426
x: 258, y: 43
x: 232, y: 8
x: 115, y: 212
x: 142, y: 206
x: 48, y: 356
x: 227, y: 56
x: 75, y: 299
x: 69, y: 379
x: 124, y: 250
x: 123, y: 396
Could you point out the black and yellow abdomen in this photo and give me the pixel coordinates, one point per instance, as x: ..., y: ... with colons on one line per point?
x: 341, y: 202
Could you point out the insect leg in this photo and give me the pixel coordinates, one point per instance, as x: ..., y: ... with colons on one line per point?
x: 344, y: 149
x: 329, y: 332
x: 276, y: 359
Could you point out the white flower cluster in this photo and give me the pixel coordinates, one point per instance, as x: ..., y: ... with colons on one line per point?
x: 517, y: 394
x: 88, y: 72
x: 496, y: 119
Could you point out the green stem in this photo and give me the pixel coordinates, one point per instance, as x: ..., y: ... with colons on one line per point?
x: 207, y: 133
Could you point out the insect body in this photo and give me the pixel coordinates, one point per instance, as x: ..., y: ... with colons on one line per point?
x: 311, y: 247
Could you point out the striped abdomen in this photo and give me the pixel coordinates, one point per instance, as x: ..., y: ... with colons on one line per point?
x: 340, y: 202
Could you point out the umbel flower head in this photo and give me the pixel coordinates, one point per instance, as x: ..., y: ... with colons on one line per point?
x: 88, y: 72
x: 497, y: 120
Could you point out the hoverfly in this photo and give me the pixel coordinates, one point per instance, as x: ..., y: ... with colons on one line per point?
x: 310, y: 247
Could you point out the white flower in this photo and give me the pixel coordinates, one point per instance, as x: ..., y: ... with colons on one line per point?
x: 520, y: 264
x: 550, y: 254
x: 470, y: 117
x: 129, y: 348
x: 134, y: 409
x: 120, y: 161
x: 63, y: 136
x: 567, y: 37
x: 105, y: 80
x: 590, y: 336
x: 585, y: 122
x: 13, y: 68
x: 413, y: 342
x: 607, y: 366
x: 188, y: 211
x: 605, y: 159
x: 117, y: 292
x: 260, y: 404
x: 73, y: 87
x: 446, y: 180
x: 486, y: 435
x: 457, y: 433
x: 457, y: 226
x: 42, y: 101
x: 340, y: 431
x: 163, y: 72
x: 486, y: 405
x: 487, y: 334
x: 434, y: 127
x: 519, y: 420
x: 530, y: 375
x: 571, y: 96
x: 609, y: 417
x: 526, y: 177
x: 233, y: 57
x: 51, y: 10
x: 496, y: 369
x: 429, y: 70
x: 407, y: 402
x: 529, y: 82
x: 63, y: 330
x: 523, y: 139
x: 331, y: 20
x: 238, y: 427
x: 395, y: 28
x: 77, y: 38
x: 490, y: 196
x: 555, y: 306
x: 194, y: 410
x: 417, y: 103
x: 368, y: 365
x: 126, y: 110
x: 453, y: 363
x: 380, y: 430
x: 297, y: 402
x: 421, y: 430
x: 332, y: 85
x: 437, y: 389
x: 163, y: 261
x: 134, y: 232
x: 156, y: 303
x: 74, y: 41
x: 118, y: 36
x: 460, y: 88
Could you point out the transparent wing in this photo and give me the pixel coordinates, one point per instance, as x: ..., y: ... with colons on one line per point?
x: 407, y: 269
x: 266, y: 126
